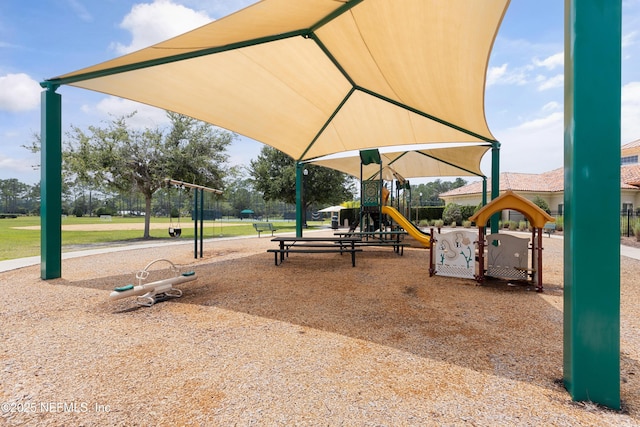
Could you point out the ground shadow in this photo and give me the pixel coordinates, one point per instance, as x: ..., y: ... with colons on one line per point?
x: 389, y: 300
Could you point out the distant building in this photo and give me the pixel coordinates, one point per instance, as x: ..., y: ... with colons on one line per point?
x: 549, y: 186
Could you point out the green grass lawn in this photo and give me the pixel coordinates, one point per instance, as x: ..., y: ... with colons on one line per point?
x: 19, y: 243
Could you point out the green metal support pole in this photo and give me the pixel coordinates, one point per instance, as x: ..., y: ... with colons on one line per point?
x: 195, y: 224
x: 592, y: 169
x: 495, y: 183
x: 484, y: 190
x: 51, y: 184
x: 201, y: 212
x: 299, y: 207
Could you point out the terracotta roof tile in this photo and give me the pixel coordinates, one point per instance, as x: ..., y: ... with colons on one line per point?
x: 632, y: 144
x: 552, y: 181
x: 630, y: 176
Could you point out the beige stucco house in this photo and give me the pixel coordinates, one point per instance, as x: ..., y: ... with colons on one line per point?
x: 549, y: 186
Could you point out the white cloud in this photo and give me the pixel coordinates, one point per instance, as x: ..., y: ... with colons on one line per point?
x: 551, y: 83
x: 535, y: 146
x: 113, y: 107
x: 218, y: 8
x: 19, y: 92
x: 80, y: 10
x: 21, y: 168
x: 503, y: 75
x: 495, y: 74
x: 551, y: 107
x: 535, y: 125
x: 630, y: 112
x: 550, y: 63
x: 629, y: 39
x: 151, y: 23
x: 523, y: 75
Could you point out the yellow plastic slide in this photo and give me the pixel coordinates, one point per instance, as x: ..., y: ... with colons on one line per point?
x: 403, y: 222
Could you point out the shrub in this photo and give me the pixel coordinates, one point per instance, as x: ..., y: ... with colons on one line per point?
x: 542, y: 204
x: 106, y: 210
x: 559, y: 223
x: 512, y: 225
x: 466, y: 224
x: 467, y: 211
x: 523, y: 226
x: 452, y: 214
x: 427, y: 212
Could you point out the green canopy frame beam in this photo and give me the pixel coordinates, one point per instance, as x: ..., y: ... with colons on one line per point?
x: 592, y: 105
x: 356, y: 87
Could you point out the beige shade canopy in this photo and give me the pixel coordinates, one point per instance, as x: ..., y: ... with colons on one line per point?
x: 316, y: 77
x: 447, y: 161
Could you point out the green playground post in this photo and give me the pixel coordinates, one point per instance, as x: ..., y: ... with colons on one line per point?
x: 51, y: 183
x: 495, y: 183
x: 299, y: 207
x: 592, y: 173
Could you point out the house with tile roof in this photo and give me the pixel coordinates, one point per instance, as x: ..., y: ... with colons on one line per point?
x: 549, y: 186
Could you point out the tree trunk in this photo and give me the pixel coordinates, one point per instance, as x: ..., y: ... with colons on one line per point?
x: 147, y: 215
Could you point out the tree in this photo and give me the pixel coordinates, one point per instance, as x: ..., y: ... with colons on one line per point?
x: 117, y: 157
x: 274, y: 174
x: 14, y: 196
x: 431, y: 190
x: 542, y: 204
x: 452, y: 214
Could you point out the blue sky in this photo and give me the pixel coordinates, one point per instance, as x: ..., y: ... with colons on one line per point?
x: 524, y: 95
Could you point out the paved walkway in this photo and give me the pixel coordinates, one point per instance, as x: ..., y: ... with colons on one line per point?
x: 13, y: 264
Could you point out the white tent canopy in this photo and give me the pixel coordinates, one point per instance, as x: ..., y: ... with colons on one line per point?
x: 331, y: 209
x: 315, y: 77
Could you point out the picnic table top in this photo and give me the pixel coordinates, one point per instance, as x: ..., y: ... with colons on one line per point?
x: 370, y: 233
x: 315, y: 239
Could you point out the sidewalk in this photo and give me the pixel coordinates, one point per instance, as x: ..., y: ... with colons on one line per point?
x: 13, y: 264
x: 629, y: 252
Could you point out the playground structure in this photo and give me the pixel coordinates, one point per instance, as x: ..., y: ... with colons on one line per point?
x: 375, y: 201
x: 507, y: 256
x: 592, y: 72
x: 149, y: 293
x: 198, y: 208
x: 423, y: 238
x: 453, y: 254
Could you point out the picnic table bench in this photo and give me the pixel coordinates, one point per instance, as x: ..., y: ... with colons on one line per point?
x: 264, y: 226
x: 315, y: 245
x: 549, y: 228
x: 391, y: 239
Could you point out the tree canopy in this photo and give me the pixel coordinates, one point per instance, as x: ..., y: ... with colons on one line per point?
x: 274, y: 174
x: 119, y: 158
x: 431, y: 190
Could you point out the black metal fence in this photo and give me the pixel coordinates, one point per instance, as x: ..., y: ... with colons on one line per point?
x: 629, y: 221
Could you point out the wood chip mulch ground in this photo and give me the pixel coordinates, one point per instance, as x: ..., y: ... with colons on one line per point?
x: 313, y: 341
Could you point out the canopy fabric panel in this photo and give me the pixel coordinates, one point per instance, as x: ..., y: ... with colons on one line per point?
x: 316, y: 77
x: 449, y: 161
